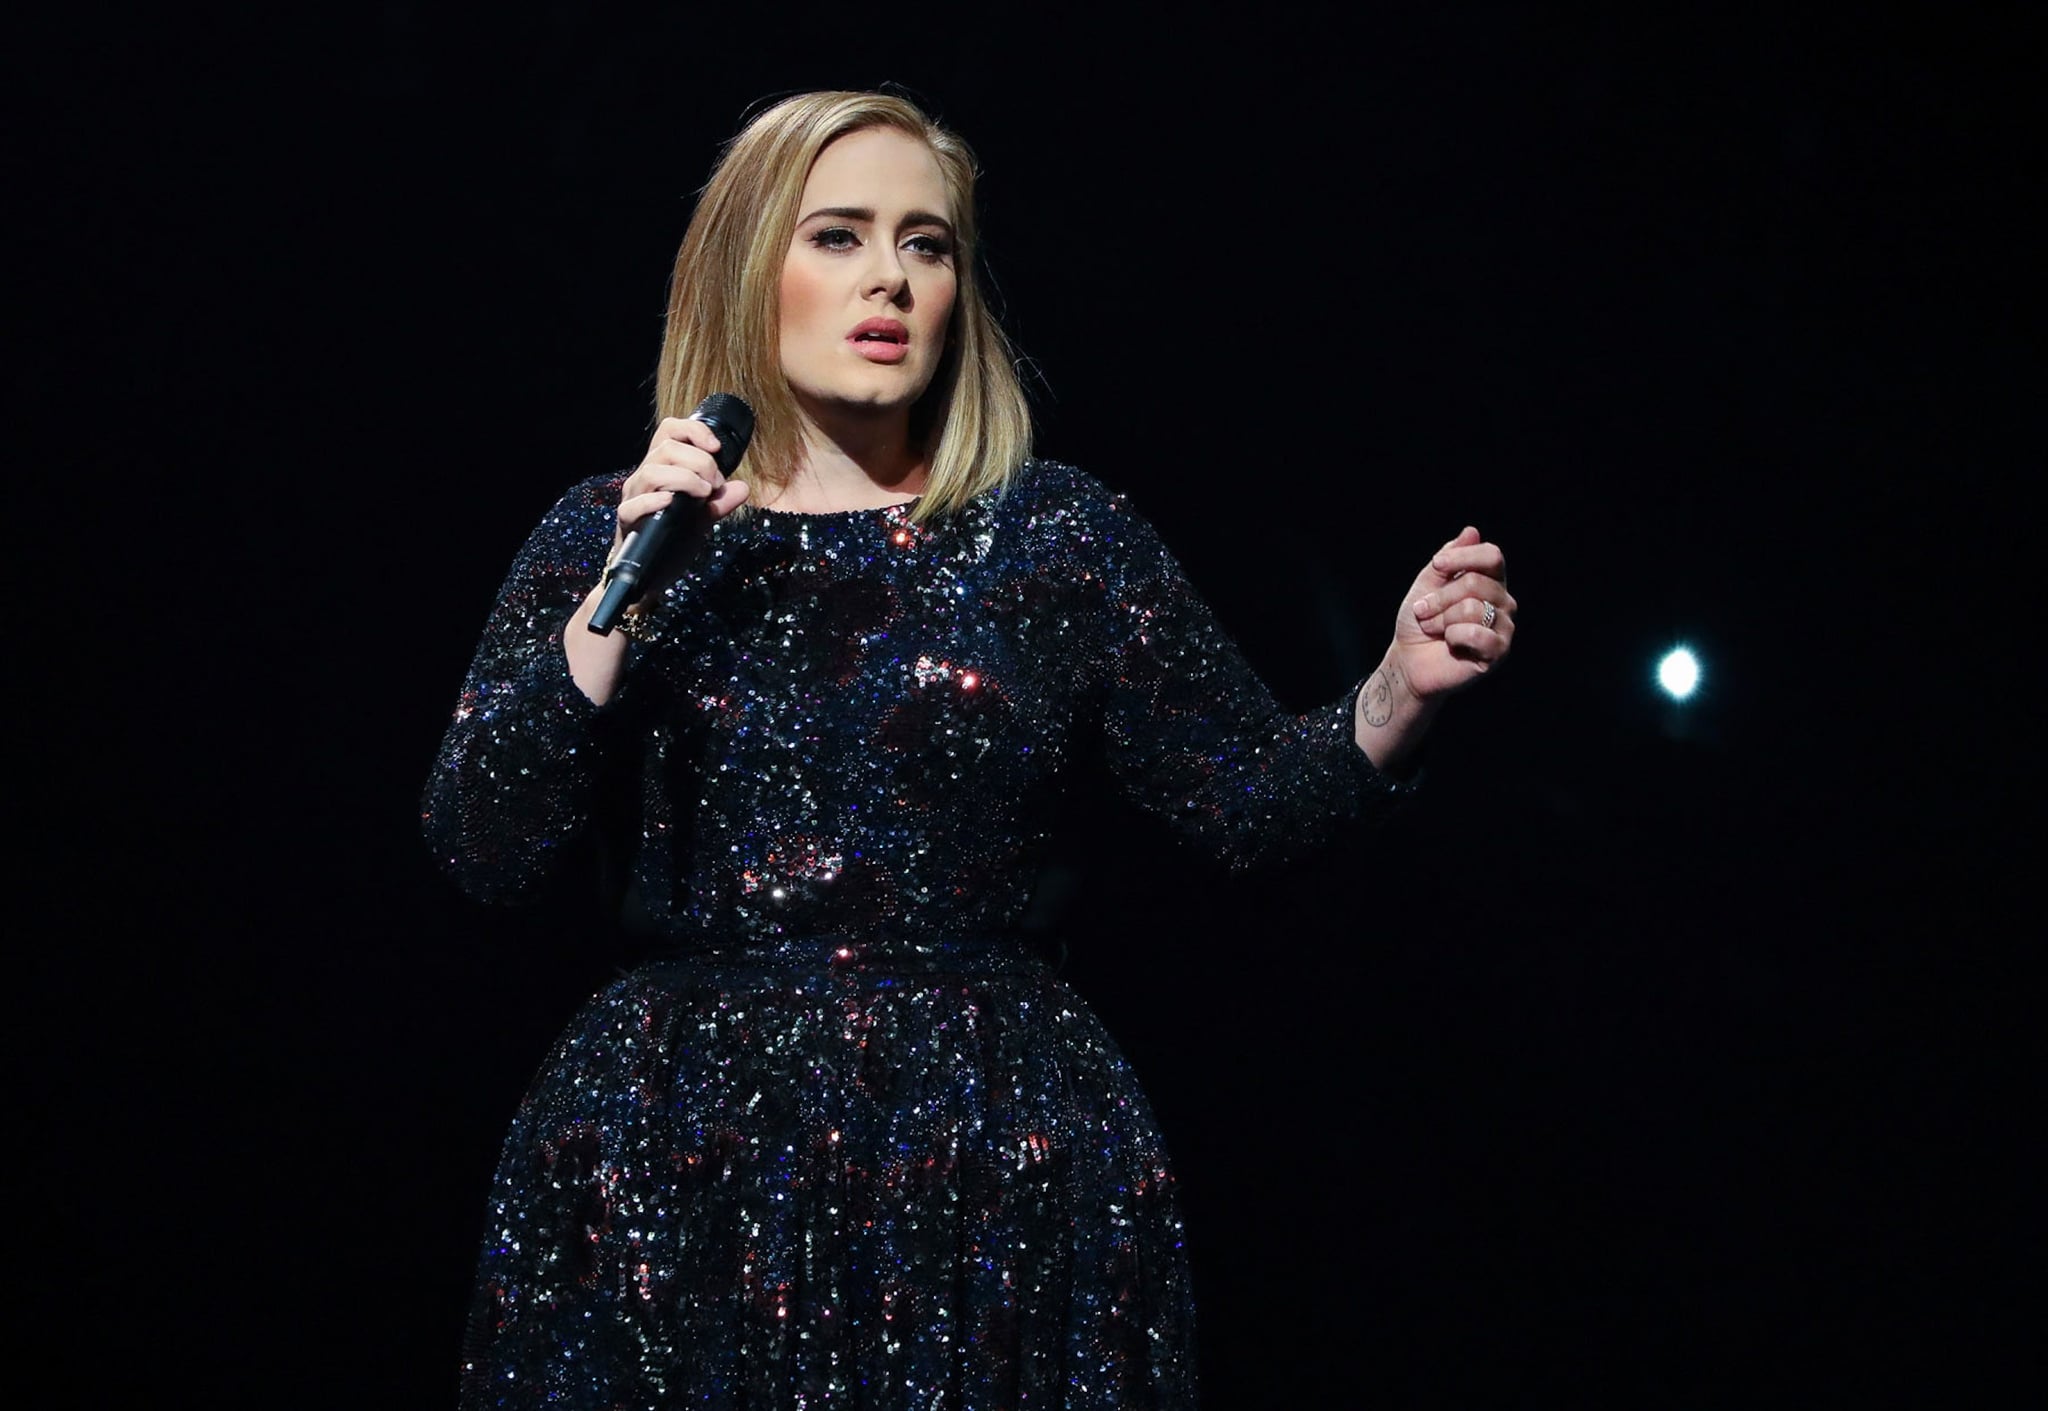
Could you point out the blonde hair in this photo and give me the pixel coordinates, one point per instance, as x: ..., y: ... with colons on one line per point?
x: 724, y: 304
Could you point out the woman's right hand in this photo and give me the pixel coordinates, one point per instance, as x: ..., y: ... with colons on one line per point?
x: 678, y: 463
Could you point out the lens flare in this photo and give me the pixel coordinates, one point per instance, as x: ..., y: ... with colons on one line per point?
x: 1679, y: 673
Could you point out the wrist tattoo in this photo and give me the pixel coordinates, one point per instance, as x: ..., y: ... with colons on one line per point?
x: 1377, y: 698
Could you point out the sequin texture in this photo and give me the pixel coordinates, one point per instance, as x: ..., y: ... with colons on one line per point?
x: 848, y: 1143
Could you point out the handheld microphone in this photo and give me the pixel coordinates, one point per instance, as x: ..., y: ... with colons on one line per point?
x: 732, y: 420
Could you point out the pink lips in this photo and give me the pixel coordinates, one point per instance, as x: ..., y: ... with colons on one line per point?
x: 880, y: 340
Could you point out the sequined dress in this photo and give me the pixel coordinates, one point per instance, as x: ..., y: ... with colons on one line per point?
x: 847, y: 1142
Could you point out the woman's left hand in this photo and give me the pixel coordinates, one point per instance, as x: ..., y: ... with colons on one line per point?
x: 1456, y: 623
x: 1458, y: 620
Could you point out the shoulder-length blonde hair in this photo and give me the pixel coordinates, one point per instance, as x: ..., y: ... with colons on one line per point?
x: 724, y: 304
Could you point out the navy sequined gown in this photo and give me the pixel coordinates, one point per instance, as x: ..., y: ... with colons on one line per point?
x: 847, y: 1143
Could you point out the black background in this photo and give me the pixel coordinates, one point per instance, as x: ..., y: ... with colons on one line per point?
x: 1659, y: 1056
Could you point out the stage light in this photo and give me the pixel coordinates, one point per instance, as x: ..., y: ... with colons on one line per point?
x: 1679, y: 673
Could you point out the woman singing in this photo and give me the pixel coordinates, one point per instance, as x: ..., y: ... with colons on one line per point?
x: 844, y: 1141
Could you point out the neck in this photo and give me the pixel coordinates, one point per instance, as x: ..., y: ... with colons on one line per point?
x: 853, y: 464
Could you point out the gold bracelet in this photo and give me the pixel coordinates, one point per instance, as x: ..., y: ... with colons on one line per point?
x: 635, y: 623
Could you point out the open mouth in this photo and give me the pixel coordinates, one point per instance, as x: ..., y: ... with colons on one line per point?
x: 881, y: 331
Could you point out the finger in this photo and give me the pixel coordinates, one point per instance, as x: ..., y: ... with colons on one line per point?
x: 728, y: 497
x: 683, y: 429
x: 1480, y: 647
x: 1476, y: 556
x: 1480, y: 612
x: 680, y: 455
x: 637, y: 507
x: 1483, y: 611
x: 1470, y: 589
x: 678, y: 452
x: 695, y: 474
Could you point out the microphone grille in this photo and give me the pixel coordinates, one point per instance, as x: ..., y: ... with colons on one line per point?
x: 733, y: 420
x: 728, y: 413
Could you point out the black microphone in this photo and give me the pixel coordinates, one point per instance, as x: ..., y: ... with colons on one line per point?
x: 732, y: 421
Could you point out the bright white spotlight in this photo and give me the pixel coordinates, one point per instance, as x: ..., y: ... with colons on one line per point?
x: 1679, y: 673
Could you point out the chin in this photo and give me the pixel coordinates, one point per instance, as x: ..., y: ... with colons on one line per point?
x: 876, y: 400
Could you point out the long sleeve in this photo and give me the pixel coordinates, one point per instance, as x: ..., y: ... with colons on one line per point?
x: 512, y: 782
x: 1192, y: 733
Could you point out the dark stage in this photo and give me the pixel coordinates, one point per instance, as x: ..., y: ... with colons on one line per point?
x: 1661, y: 1055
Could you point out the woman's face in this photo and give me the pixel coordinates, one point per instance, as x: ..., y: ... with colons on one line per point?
x: 869, y: 280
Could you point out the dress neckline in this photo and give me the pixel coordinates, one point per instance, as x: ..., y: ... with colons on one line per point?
x: 839, y: 514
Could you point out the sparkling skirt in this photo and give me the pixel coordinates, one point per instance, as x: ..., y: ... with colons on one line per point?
x: 835, y: 1174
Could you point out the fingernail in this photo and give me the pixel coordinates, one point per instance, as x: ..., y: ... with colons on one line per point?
x: 1420, y: 607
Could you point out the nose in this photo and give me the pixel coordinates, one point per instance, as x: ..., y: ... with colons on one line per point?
x: 885, y: 276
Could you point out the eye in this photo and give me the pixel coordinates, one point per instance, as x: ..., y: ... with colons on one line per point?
x: 932, y: 247
x: 835, y: 237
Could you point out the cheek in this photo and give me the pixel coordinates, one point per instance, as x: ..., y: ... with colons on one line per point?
x: 939, y: 302
x: 799, y: 298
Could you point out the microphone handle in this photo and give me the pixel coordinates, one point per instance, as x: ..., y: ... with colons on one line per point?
x: 642, y: 547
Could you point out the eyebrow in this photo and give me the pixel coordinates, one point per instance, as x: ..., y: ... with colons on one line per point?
x: 867, y: 213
